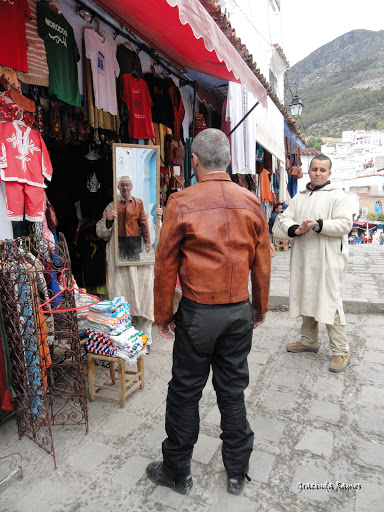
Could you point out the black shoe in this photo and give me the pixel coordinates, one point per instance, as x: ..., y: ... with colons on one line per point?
x: 235, y: 484
x: 156, y: 474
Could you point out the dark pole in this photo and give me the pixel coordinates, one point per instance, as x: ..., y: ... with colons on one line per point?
x: 194, y: 109
x: 240, y: 122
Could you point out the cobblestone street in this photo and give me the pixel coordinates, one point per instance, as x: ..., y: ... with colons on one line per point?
x: 311, y: 426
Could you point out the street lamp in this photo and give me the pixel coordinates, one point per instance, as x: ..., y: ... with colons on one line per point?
x: 296, y: 106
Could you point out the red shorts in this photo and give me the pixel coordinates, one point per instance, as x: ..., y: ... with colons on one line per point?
x: 21, y: 198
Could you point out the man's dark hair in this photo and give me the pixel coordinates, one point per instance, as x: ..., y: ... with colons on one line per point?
x: 322, y: 157
x: 277, y: 205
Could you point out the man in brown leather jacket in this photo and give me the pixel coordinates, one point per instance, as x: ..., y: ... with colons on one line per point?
x: 213, y: 234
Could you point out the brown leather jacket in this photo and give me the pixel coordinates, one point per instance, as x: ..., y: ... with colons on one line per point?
x: 212, y: 235
x: 131, y: 216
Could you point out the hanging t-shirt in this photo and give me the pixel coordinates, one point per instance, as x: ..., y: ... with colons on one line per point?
x: 139, y: 103
x: 128, y: 60
x: 13, y: 41
x: 162, y: 111
x: 105, y: 68
x: 62, y: 54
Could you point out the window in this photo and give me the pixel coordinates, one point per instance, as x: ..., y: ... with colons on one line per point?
x: 364, y: 212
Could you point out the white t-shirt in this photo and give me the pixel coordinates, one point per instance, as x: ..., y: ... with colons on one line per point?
x: 105, y: 68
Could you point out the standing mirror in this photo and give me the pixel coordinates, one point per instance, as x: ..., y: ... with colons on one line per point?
x: 136, y: 196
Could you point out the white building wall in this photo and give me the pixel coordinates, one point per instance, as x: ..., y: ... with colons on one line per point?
x: 258, y: 24
x: 358, y: 149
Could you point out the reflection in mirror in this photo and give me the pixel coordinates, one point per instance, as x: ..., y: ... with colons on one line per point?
x: 136, y: 170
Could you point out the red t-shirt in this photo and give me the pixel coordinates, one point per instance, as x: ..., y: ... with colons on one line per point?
x: 13, y: 39
x: 139, y: 103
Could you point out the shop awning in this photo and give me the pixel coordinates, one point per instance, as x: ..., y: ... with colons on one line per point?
x: 270, y: 130
x: 184, y: 32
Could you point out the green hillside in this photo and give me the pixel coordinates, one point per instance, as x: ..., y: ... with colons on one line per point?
x: 341, y: 85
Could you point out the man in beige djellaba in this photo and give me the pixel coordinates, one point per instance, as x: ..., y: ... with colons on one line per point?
x: 318, y: 221
x: 134, y: 282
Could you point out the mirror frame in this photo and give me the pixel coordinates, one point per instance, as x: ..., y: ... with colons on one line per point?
x: 115, y: 226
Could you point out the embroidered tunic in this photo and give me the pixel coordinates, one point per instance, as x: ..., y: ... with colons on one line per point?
x: 23, y: 155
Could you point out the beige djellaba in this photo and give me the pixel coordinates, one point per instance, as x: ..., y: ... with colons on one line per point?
x: 318, y: 262
x: 134, y: 282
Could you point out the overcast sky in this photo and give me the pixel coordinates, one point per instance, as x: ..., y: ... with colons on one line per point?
x: 309, y: 24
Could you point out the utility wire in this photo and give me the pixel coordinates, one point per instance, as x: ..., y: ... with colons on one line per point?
x: 246, y: 17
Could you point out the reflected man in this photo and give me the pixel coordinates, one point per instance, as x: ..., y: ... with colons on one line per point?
x: 134, y: 282
x: 131, y: 220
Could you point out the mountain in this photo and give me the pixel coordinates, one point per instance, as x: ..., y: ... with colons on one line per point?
x: 341, y: 85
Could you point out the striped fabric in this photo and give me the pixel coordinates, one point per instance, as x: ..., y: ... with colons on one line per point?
x: 106, y: 320
x: 115, y: 331
x: 38, y: 73
x: 111, y: 307
x: 128, y: 347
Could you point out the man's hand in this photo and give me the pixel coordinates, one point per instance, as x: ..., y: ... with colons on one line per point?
x: 259, y: 319
x: 147, y: 247
x: 306, y: 226
x: 165, y: 332
x: 111, y: 215
x: 159, y: 212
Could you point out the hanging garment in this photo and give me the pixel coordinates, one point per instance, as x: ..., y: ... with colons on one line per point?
x: 13, y: 42
x: 6, y: 228
x: 292, y: 185
x: 24, y: 198
x: 30, y: 343
x: 41, y: 324
x: 243, y: 139
x: 10, y: 111
x: 96, y: 117
x: 38, y: 73
x: 225, y: 124
x: 265, y: 187
x: 24, y: 163
x: 139, y: 103
x: 6, y: 390
x: 62, y: 54
x: 178, y: 108
x: 162, y: 108
x: 105, y: 69
x: 24, y: 156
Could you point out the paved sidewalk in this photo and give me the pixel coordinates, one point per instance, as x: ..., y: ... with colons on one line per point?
x: 363, y: 287
x: 310, y: 426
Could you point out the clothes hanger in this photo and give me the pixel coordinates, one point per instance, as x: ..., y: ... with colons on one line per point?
x: 98, y: 30
x: 53, y: 5
x: 94, y: 298
x: 129, y: 46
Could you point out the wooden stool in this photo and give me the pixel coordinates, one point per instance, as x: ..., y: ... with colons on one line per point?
x: 281, y: 245
x: 94, y: 382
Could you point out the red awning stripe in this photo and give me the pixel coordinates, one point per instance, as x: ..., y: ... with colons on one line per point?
x: 184, y: 32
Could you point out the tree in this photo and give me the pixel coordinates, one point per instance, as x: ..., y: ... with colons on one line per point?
x: 315, y: 142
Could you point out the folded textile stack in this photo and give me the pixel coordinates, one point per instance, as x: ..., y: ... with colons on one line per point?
x: 110, y: 331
